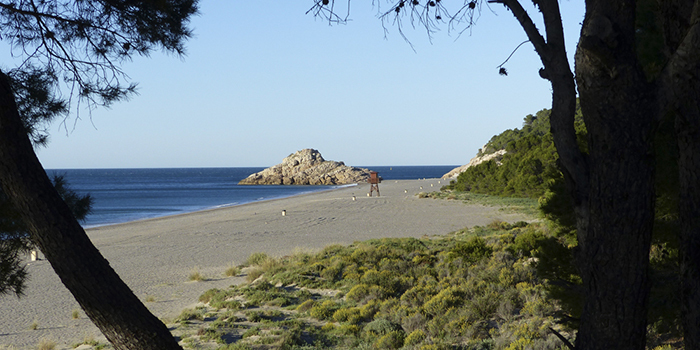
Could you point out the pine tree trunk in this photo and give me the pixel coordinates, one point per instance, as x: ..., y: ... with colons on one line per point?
x: 688, y: 131
x: 680, y: 95
x: 104, y: 297
x: 619, y: 109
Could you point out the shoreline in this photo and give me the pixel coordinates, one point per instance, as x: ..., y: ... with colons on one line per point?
x: 155, y: 256
x: 220, y: 206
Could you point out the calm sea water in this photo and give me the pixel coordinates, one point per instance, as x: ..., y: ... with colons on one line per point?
x: 122, y: 195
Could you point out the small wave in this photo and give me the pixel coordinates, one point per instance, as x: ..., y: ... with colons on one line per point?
x: 225, y: 205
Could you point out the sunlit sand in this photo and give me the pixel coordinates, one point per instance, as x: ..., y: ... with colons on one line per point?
x: 156, y: 256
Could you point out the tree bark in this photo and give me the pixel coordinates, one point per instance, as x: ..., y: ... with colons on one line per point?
x: 104, y: 297
x: 619, y: 109
x: 679, y: 86
x: 688, y: 133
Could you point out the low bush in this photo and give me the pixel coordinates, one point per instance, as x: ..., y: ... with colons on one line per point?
x: 191, y: 314
x: 325, y: 310
x: 414, y: 338
x: 471, y: 289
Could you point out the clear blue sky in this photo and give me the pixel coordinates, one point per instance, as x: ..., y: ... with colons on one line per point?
x: 261, y: 79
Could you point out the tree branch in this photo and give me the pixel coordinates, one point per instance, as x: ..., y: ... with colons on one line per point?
x: 558, y: 71
x: 528, y: 25
x: 682, y: 67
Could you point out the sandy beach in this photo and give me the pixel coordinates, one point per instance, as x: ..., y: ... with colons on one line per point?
x: 156, y: 256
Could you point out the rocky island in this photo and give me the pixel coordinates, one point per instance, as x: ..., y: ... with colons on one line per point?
x: 307, y: 167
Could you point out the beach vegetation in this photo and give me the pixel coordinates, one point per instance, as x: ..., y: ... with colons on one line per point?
x: 527, y: 206
x: 499, y: 286
x: 188, y: 315
x: 46, y: 344
x: 253, y: 273
x: 90, y: 341
x: 196, y: 276
x: 235, y: 346
x: 232, y: 271
x: 75, y: 314
x: 257, y: 259
x: 34, y: 325
x: 472, y: 288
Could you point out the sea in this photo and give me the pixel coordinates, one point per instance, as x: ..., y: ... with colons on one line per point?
x: 123, y: 195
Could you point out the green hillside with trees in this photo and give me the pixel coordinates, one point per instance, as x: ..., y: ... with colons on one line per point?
x: 528, y: 167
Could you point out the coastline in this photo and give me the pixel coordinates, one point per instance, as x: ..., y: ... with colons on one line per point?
x: 155, y: 256
x: 220, y: 206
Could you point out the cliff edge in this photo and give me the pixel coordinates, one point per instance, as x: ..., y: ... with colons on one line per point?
x: 307, y: 167
x: 498, y: 155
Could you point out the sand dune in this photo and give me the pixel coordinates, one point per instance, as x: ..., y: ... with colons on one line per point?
x: 155, y: 256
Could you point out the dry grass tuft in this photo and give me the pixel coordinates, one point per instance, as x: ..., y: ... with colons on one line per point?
x: 253, y: 274
x: 257, y: 259
x: 45, y: 344
x: 232, y: 271
x: 195, y: 275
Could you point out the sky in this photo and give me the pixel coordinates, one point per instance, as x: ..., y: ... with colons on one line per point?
x: 262, y: 79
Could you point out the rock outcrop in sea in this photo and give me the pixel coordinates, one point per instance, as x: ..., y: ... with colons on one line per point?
x: 497, y: 156
x: 307, y: 167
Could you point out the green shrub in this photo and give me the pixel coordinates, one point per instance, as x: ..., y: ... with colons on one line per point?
x: 206, y: 296
x: 528, y: 242
x: 306, y: 306
x: 381, y: 326
x: 351, y: 315
x: 664, y: 347
x: 358, y: 292
x: 251, y: 332
x: 253, y: 316
x: 473, y: 250
x: 467, y: 290
x: 235, y: 346
x: 191, y: 314
x: 334, y: 272
x: 484, y: 306
x: 369, y: 310
x: 372, y: 278
x: 391, y: 340
x: 436, y: 347
x: 210, y: 334
x: 447, y: 298
x: 415, y: 338
x: 324, y: 311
